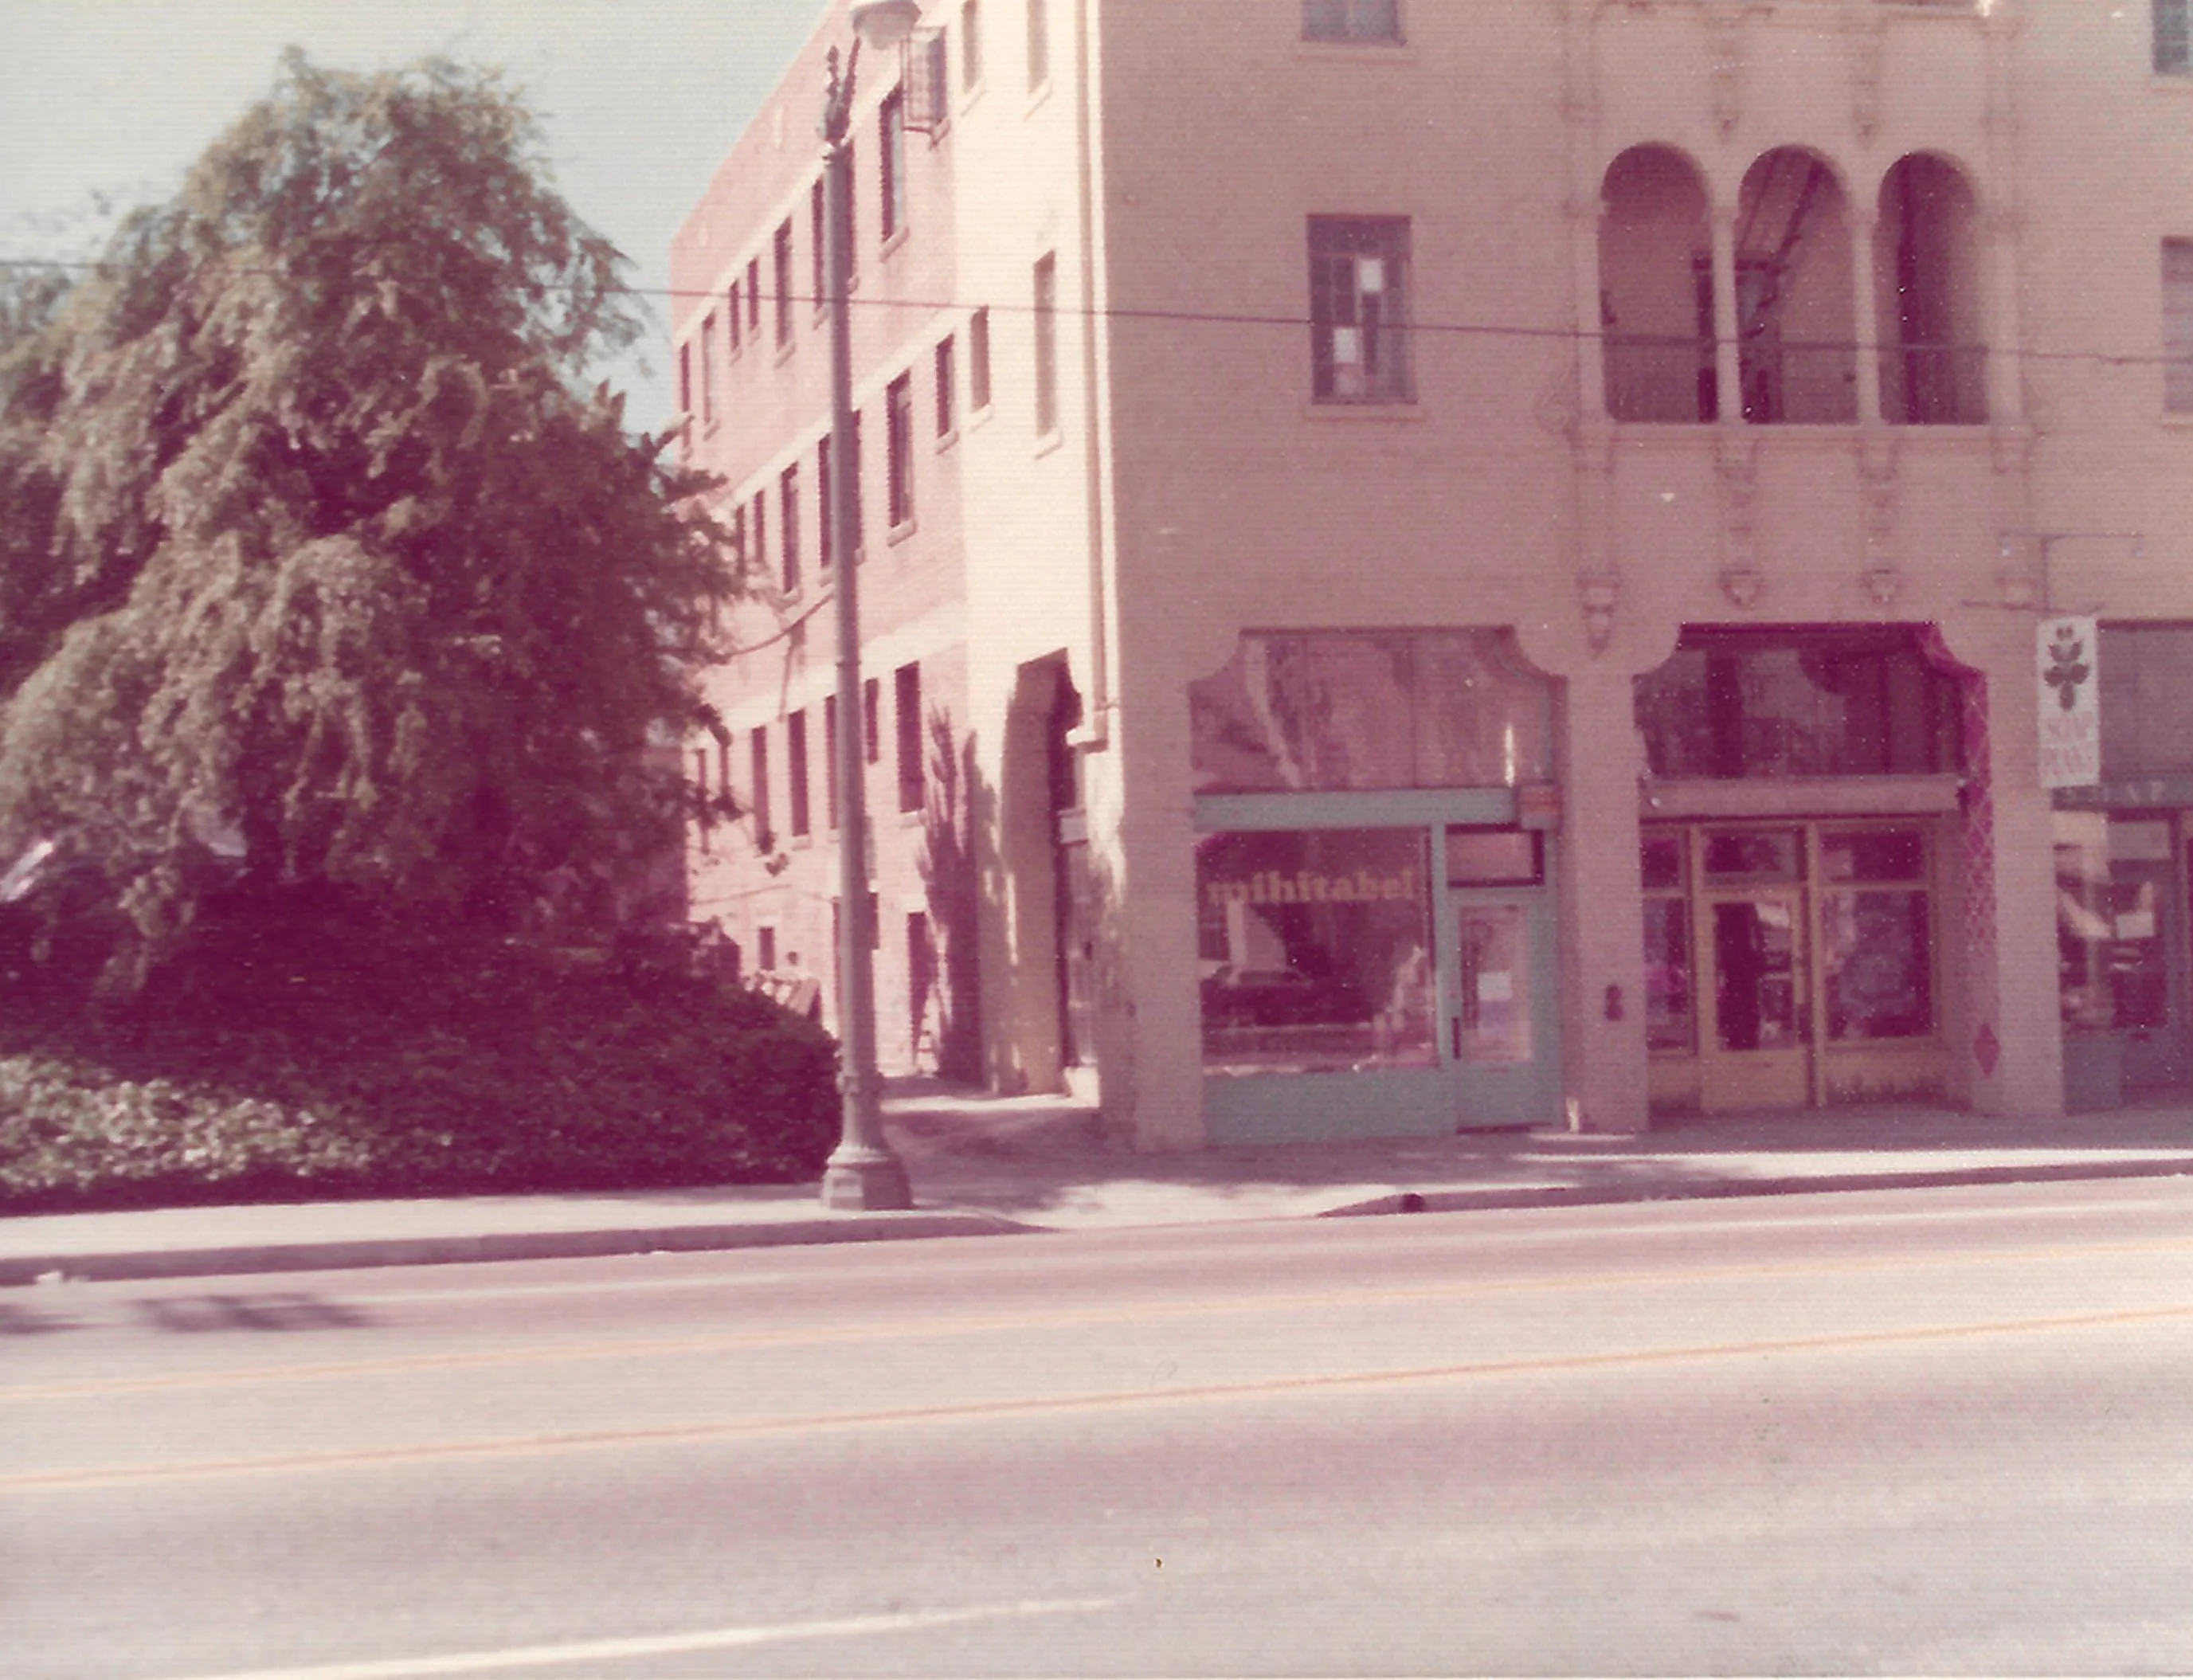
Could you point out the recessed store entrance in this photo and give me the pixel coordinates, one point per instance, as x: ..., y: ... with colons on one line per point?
x: 1791, y: 964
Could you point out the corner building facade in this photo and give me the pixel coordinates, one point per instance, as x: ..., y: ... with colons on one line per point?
x: 1432, y: 565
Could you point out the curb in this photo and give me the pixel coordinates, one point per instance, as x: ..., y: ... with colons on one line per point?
x: 364, y: 1252
x: 1582, y: 1195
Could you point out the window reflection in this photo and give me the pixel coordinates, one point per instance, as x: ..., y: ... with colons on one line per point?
x: 1342, y: 710
x: 1315, y: 948
x: 2112, y: 878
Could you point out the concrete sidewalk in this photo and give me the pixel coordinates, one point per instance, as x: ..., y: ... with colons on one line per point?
x: 981, y: 1165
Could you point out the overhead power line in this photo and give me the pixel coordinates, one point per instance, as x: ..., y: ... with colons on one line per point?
x: 1221, y: 317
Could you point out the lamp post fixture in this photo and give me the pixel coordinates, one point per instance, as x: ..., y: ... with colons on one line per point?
x: 862, y: 1172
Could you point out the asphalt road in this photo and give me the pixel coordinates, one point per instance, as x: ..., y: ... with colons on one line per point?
x: 1932, y: 1431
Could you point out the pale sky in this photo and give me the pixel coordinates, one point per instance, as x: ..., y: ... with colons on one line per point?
x: 639, y: 102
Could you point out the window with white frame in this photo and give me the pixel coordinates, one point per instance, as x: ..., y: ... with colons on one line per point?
x: 978, y: 360
x: 1358, y: 313
x: 709, y: 370
x: 781, y: 254
x: 788, y: 526
x: 891, y: 168
x: 2173, y: 36
x: 1046, y: 345
x: 1351, y: 20
x: 898, y: 440
x: 2177, y: 325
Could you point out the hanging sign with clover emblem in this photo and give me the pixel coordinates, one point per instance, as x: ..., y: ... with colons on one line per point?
x: 2071, y: 703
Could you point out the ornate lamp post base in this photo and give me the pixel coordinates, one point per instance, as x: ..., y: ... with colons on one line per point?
x: 861, y: 1179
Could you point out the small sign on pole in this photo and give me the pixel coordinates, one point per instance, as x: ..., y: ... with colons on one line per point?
x: 2070, y: 703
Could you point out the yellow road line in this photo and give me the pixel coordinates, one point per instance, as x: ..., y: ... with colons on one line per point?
x: 730, y: 1430
x: 906, y: 1329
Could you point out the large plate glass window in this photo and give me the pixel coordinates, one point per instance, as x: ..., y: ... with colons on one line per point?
x: 1315, y: 951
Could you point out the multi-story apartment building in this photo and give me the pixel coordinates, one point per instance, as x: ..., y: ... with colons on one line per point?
x: 1430, y: 565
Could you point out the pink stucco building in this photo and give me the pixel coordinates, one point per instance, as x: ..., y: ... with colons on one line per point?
x: 1430, y: 565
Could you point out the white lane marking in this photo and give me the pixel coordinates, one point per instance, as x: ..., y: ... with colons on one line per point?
x: 668, y: 1644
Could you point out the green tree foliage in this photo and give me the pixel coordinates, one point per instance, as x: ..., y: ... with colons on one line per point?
x: 317, y: 543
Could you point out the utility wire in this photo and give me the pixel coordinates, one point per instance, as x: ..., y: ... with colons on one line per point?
x: 1238, y: 319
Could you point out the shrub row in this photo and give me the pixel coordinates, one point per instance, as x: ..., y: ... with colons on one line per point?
x: 305, y: 1060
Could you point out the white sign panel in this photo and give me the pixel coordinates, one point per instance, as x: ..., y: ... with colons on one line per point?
x: 2070, y: 703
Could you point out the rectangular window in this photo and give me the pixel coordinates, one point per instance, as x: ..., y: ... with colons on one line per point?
x: 1351, y: 20
x: 1046, y: 345
x: 707, y: 370
x: 830, y: 759
x: 947, y: 375
x: 971, y: 44
x: 1315, y: 946
x: 908, y: 682
x: 733, y: 309
x: 2173, y: 38
x: 1359, y: 315
x: 758, y: 794
x: 685, y: 379
x: 978, y: 360
x: 783, y: 252
x: 739, y: 535
x: 819, y: 237
x: 1877, y: 938
x: 753, y: 295
x: 788, y: 525
x: 1038, y: 43
x: 898, y: 438
x: 2177, y: 325
x: 765, y: 947
x: 795, y: 767
x: 855, y: 542
x: 890, y: 163
x: 826, y: 508
x: 761, y: 528
x: 871, y: 719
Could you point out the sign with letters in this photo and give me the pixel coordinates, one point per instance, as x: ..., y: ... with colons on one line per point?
x: 2070, y: 703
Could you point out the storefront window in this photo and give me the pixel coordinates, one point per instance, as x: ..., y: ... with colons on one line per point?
x: 1798, y: 703
x: 1876, y: 961
x: 1315, y: 951
x: 2112, y: 879
x: 1347, y: 711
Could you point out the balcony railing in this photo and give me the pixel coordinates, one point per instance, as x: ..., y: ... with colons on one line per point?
x: 1788, y: 382
x: 1667, y: 380
x: 1933, y: 384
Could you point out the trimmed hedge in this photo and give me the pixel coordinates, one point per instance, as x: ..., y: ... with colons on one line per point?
x: 303, y: 1060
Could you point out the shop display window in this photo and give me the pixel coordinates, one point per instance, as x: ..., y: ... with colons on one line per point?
x: 1876, y: 961
x: 1736, y: 704
x: 2112, y: 880
x: 1876, y: 966
x: 1343, y: 711
x: 1315, y: 951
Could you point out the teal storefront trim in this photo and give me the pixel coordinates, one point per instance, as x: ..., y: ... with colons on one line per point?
x: 1490, y: 1053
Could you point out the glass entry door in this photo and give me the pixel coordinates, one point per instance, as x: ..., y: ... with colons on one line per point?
x: 1758, y: 1026
x: 1497, y: 979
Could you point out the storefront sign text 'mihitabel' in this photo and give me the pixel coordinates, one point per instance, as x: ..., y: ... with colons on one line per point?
x: 1305, y: 886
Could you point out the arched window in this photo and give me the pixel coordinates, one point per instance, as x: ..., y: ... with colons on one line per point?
x: 1796, y: 349
x: 1656, y: 289
x: 1925, y: 264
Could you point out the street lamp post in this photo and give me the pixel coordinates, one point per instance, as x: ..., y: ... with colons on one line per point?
x: 862, y: 1172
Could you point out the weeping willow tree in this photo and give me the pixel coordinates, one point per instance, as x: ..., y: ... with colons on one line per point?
x: 321, y: 561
